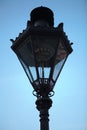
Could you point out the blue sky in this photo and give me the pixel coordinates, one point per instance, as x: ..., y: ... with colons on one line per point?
x: 17, y: 104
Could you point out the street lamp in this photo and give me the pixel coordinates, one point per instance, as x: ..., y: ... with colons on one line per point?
x: 42, y: 50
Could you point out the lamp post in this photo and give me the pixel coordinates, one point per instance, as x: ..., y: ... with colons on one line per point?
x: 42, y: 50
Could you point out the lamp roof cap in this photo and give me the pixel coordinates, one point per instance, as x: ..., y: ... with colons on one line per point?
x: 42, y: 13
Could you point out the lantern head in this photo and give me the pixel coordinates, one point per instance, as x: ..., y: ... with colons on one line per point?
x: 42, y: 50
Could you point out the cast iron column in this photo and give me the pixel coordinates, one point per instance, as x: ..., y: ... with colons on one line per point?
x: 43, y: 105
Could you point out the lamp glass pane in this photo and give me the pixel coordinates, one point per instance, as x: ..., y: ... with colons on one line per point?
x: 44, y: 72
x: 27, y: 70
x: 47, y: 72
x: 58, y: 68
x: 25, y: 53
x: 60, y: 60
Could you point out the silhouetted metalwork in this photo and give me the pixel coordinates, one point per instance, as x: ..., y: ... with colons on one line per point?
x: 42, y: 50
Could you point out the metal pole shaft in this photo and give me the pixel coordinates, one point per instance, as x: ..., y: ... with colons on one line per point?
x: 43, y: 105
x: 44, y: 120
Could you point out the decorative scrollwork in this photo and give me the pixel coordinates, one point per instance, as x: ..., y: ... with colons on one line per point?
x: 50, y: 94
